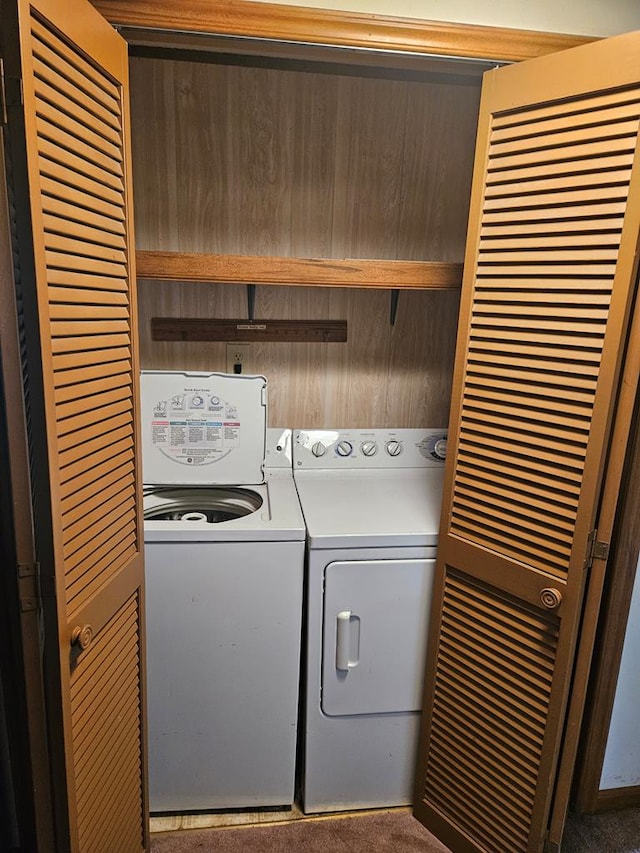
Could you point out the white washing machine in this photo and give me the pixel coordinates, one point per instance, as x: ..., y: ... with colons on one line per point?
x: 371, y: 502
x: 224, y: 564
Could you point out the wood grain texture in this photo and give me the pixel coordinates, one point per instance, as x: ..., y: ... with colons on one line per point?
x: 267, y: 331
x: 383, y: 376
x: 271, y: 162
x: 324, y: 26
x: 245, y: 269
x: 617, y: 798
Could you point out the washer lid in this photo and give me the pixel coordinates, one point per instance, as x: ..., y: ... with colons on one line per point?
x: 202, y: 428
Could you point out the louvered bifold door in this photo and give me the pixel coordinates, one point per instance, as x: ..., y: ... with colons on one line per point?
x: 70, y: 150
x: 549, y: 289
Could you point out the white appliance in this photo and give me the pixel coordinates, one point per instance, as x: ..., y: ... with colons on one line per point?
x: 371, y: 502
x: 224, y: 564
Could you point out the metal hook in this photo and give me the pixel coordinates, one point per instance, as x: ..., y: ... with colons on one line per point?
x: 395, y: 295
x: 251, y: 300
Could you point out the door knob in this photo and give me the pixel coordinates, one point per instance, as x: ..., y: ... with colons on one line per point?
x: 551, y: 598
x: 82, y: 636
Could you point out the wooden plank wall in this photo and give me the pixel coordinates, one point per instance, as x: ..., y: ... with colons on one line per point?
x: 265, y: 161
x: 384, y: 376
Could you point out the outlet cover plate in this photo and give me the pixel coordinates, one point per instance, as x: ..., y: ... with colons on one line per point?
x: 238, y: 353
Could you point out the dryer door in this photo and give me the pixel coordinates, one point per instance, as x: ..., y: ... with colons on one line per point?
x: 374, y: 635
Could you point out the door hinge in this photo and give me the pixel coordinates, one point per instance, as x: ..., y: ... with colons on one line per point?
x: 29, y: 586
x: 10, y: 93
x: 596, y: 549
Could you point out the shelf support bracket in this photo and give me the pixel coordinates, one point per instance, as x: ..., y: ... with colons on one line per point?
x: 251, y: 301
x: 395, y: 295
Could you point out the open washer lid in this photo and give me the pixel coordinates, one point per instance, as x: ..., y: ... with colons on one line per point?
x: 202, y: 428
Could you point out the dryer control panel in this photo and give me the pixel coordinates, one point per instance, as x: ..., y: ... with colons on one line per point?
x: 374, y: 448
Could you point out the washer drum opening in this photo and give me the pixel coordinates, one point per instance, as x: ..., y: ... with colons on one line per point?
x: 211, y: 505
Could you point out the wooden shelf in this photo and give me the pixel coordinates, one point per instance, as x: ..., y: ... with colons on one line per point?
x: 323, y: 272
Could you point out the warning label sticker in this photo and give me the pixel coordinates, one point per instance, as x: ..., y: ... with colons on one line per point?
x: 195, y: 427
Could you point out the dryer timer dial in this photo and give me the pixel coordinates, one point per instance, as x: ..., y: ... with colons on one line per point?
x: 437, y: 447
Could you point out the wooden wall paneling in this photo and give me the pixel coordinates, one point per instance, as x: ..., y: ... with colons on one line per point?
x: 421, y: 358
x: 383, y: 376
x: 313, y: 173
x: 276, y: 361
x: 203, y: 185
x: 365, y: 378
x: 440, y: 131
x: 153, y: 146
x: 260, y: 151
x: 368, y: 168
x: 311, y: 389
x: 263, y: 161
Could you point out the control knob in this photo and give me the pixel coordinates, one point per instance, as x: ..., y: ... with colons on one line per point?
x: 394, y: 447
x: 344, y: 448
x: 440, y: 448
x: 318, y: 449
x: 369, y: 448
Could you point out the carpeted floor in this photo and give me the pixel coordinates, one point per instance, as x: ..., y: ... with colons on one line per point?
x: 609, y: 832
x: 385, y: 832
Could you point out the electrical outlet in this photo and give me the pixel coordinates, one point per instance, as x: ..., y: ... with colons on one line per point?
x: 238, y: 358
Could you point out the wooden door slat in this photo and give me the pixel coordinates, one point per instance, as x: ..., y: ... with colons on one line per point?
x: 78, y: 328
x: 81, y: 202
x: 556, y: 231
x: 558, y: 137
x: 82, y: 406
x: 78, y: 437
x: 88, y: 182
x: 589, y: 118
x: 85, y: 373
x: 74, y: 463
x: 81, y: 586
x: 79, y: 125
x: 568, y: 212
x: 534, y: 372
x: 60, y: 295
x: 546, y: 183
x: 120, y: 457
x: 569, y: 153
x: 69, y: 211
x: 66, y: 361
x: 60, y: 226
x: 114, y: 477
x: 55, y: 76
x: 97, y: 84
x: 86, y: 280
x: 105, y: 531
x: 592, y: 104
x: 76, y: 522
x: 89, y: 387
x: 585, y: 359
x: 557, y: 198
x: 84, y: 691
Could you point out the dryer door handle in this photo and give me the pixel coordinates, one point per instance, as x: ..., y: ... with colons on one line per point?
x: 344, y: 622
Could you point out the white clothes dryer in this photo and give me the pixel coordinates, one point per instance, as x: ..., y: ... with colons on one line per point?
x: 224, y: 553
x: 371, y: 502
